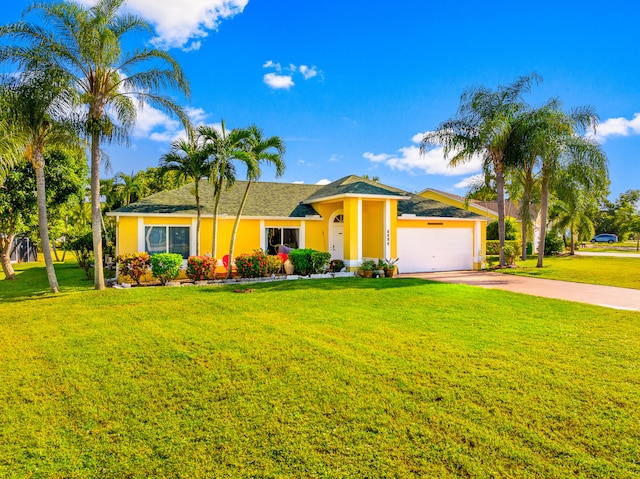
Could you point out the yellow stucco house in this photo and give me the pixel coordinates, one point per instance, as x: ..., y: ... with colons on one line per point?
x: 352, y: 218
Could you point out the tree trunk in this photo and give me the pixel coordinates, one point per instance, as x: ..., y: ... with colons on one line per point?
x: 5, y: 254
x: 43, y: 224
x: 55, y: 250
x: 236, y: 223
x: 96, y: 215
x: 501, y: 225
x: 544, y: 209
x: 572, y: 250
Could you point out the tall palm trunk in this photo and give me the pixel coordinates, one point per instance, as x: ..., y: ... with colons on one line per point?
x: 236, y: 224
x: 544, y: 210
x: 573, y: 239
x: 43, y: 224
x: 5, y: 254
x: 524, y: 222
x: 501, y: 226
x: 96, y: 215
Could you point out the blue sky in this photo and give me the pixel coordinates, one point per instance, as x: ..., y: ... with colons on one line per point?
x: 351, y: 85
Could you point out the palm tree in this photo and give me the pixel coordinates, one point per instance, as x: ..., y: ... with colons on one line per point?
x: 523, y: 179
x: 221, y: 149
x: 189, y: 160
x: 560, y: 146
x: 86, y: 45
x: 130, y: 188
x: 482, y: 126
x: 257, y: 150
x: 37, y: 103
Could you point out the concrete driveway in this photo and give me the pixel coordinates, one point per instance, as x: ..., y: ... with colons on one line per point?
x: 607, y: 296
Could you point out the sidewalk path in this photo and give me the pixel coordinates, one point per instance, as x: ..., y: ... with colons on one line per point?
x: 608, y: 253
x: 607, y: 296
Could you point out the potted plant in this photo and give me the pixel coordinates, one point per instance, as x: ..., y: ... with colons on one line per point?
x: 389, y: 267
x: 378, y: 270
x: 366, y: 270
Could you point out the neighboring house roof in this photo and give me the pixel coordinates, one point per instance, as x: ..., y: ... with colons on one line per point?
x: 510, y: 208
x: 268, y: 199
x: 354, y: 186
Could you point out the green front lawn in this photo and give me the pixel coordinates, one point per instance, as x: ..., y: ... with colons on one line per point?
x: 605, y: 270
x: 324, y: 378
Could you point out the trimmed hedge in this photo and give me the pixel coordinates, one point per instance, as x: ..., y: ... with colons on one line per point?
x: 308, y: 261
x: 166, y: 266
x: 511, y: 230
x: 512, y: 249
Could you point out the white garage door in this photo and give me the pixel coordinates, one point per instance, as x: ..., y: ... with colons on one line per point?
x: 434, y: 249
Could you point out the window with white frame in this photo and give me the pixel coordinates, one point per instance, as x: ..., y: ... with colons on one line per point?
x: 167, y: 239
x: 277, y: 236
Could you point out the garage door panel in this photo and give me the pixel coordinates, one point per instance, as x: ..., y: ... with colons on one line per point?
x: 434, y: 249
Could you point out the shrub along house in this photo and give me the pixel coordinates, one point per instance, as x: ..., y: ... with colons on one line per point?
x: 352, y: 218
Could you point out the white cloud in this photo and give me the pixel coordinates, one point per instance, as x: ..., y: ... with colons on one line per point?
x: 433, y: 162
x: 308, y: 72
x: 335, y: 158
x: 155, y: 125
x: 323, y: 182
x: 470, y: 181
x: 278, y: 82
x: 298, y: 182
x: 616, y: 127
x: 181, y: 24
x: 271, y: 64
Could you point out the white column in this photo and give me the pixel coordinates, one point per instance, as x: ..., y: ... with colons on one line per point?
x: 303, y: 235
x: 140, y: 233
x: 387, y: 229
x: 192, y: 237
x: 263, y: 236
x: 360, y: 230
x: 477, y: 242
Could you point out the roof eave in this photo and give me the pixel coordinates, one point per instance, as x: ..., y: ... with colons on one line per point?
x: 354, y: 195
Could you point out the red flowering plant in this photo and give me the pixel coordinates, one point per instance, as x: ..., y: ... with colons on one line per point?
x: 201, y: 268
x: 252, y: 265
x: 134, y: 265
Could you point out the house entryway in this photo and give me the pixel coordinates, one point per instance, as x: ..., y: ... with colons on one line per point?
x: 336, y: 237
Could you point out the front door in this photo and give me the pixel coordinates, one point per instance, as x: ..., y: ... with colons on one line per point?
x: 337, y: 238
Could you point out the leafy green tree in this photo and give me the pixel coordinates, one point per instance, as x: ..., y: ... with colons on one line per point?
x: 15, y: 206
x: 482, y: 126
x: 621, y: 216
x: 222, y: 148
x: 190, y: 160
x: 256, y: 151
x: 66, y: 177
x: 87, y: 46
x: 37, y: 103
